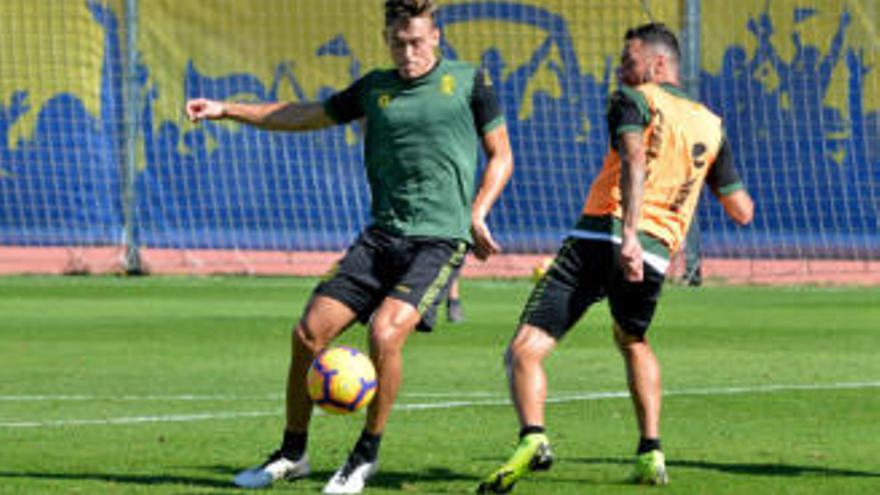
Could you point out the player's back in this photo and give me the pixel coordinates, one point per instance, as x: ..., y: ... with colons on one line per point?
x: 681, y: 138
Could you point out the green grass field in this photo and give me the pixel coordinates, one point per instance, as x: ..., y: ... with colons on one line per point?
x: 170, y: 385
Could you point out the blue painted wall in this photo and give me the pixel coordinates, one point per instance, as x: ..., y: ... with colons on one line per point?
x: 814, y: 172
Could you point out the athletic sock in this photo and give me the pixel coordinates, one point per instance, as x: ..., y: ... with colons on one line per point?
x: 367, y: 446
x: 647, y: 445
x: 293, y: 446
x: 528, y: 430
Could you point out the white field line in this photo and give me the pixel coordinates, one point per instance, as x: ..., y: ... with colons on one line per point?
x: 204, y: 398
x: 174, y: 418
x: 557, y: 399
x: 134, y: 398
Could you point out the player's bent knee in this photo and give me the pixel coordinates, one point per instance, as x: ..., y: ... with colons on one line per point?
x: 517, y: 353
x: 625, y: 339
x: 530, y: 344
x: 307, y: 339
x: 509, y: 367
x: 387, y: 339
x: 509, y: 356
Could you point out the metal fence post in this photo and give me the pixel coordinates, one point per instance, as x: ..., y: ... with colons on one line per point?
x: 131, y: 239
x: 690, y: 65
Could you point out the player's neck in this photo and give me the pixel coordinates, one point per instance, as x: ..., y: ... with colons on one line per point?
x: 428, y: 72
x: 668, y: 74
x: 666, y: 79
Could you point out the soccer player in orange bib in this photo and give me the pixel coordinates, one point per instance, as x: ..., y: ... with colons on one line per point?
x: 664, y: 147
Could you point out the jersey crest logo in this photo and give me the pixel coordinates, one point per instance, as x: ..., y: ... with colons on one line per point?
x: 384, y: 100
x: 447, y: 85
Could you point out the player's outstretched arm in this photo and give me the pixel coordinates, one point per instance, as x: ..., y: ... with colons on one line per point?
x: 279, y: 116
x: 499, y: 167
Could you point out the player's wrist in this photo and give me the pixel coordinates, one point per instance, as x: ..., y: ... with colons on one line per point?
x: 629, y: 232
x: 478, y: 215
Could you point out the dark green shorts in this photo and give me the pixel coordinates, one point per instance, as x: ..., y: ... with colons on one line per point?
x: 379, y: 264
x: 584, y: 272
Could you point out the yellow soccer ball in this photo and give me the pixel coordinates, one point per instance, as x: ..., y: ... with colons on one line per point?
x: 341, y: 380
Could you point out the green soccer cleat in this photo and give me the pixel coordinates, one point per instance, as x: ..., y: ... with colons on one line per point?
x: 650, y: 469
x: 532, y: 454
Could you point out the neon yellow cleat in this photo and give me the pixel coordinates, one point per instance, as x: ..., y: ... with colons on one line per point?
x: 650, y: 469
x: 532, y: 454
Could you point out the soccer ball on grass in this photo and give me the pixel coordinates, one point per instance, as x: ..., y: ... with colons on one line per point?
x: 341, y: 380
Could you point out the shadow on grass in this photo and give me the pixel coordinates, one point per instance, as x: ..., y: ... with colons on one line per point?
x: 132, y: 479
x: 404, y: 480
x: 393, y: 480
x: 752, y: 469
x: 383, y: 478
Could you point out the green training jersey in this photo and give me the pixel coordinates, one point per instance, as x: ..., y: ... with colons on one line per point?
x: 420, y: 144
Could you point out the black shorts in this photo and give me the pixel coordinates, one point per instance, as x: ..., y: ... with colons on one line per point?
x: 583, y: 273
x: 379, y: 264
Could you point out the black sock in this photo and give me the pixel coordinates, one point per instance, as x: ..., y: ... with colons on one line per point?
x: 367, y: 446
x: 647, y: 445
x: 528, y: 430
x: 293, y: 446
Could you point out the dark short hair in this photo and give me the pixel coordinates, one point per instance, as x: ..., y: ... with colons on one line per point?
x: 404, y: 10
x: 655, y: 33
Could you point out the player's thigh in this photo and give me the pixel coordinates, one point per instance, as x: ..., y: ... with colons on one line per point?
x: 633, y: 304
x: 324, y: 319
x: 391, y: 324
x: 566, y: 291
x: 357, y: 279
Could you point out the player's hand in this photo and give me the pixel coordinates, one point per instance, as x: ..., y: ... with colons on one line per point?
x: 631, y: 259
x: 484, y: 244
x: 203, y: 109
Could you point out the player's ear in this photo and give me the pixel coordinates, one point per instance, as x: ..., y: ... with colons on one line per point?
x: 664, y: 61
x: 659, y: 66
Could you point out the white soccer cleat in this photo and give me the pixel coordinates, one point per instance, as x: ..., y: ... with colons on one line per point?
x: 276, y: 467
x: 352, y: 476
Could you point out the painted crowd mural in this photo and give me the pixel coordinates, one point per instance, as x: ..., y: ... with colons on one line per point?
x: 796, y: 82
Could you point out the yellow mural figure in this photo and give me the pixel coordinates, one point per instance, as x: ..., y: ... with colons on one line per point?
x: 58, y: 47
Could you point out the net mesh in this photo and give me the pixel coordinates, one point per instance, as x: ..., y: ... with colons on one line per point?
x: 96, y: 151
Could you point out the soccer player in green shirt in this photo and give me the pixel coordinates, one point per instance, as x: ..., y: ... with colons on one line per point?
x: 424, y: 120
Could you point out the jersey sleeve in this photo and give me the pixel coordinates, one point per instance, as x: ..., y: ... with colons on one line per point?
x: 723, y: 177
x: 484, y: 104
x: 627, y: 112
x: 347, y: 105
